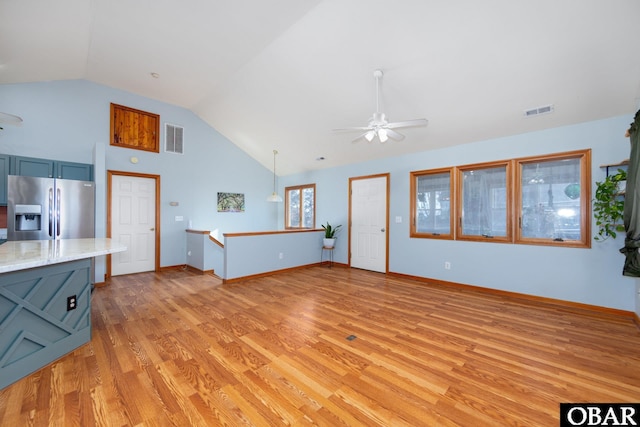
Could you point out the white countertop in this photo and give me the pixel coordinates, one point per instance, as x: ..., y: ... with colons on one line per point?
x: 24, y: 254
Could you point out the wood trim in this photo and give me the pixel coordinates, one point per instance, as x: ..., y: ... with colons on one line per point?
x: 585, y: 195
x: 198, y: 271
x: 216, y: 241
x: 186, y: 267
x: 260, y: 233
x: 141, y: 117
x: 413, y: 176
x: 517, y: 295
x: 300, y: 188
x: 188, y: 230
x: 625, y: 162
x: 460, y: 170
x: 213, y: 239
x: 110, y: 174
x: 179, y: 267
x: 387, y: 176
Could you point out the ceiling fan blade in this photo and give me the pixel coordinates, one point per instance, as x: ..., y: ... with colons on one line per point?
x: 407, y: 123
x: 351, y: 129
x: 360, y: 137
x: 394, y: 135
x: 10, y: 119
x: 378, y: 125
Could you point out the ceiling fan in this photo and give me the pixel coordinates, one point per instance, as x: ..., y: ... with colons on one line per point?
x: 378, y: 125
x: 9, y: 119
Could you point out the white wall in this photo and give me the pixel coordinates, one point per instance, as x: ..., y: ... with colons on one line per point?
x: 590, y: 276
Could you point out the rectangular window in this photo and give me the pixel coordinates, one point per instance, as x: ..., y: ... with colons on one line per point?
x: 300, y: 206
x: 553, y: 200
x: 431, y: 200
x: 484, y: 202
x: 541, y: 200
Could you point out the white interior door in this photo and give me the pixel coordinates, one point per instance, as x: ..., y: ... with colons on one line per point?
x: 133, y: 222
x: 369, y: 223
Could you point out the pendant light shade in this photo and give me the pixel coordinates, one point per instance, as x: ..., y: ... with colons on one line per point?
x: 274, y: 197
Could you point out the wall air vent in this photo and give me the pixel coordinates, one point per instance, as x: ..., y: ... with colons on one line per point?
x: 545, y: 109
x: 173, y: 136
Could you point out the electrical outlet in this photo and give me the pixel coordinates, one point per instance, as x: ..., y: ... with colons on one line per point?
x: 72, y: 302
x: 447, y: 265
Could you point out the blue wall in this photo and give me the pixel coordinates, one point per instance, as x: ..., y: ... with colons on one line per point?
x: 590, y: 276
x: 69, y: 120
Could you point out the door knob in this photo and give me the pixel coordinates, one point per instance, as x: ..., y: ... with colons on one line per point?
x: 382, y: 230
x: 151, y: 229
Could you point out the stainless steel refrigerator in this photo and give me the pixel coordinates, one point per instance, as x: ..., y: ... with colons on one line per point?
x: 49, y: 208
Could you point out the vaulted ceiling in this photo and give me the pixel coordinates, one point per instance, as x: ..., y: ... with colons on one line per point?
x: 280, y: 74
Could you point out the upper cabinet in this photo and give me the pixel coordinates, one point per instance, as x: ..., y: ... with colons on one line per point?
x: 70, y: 170
x: 131, y: 128
x: 27, y: 166
x: 5, y: 165
x: 44, y: 168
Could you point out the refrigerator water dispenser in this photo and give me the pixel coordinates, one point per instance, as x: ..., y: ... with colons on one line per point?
x: 28, y: 217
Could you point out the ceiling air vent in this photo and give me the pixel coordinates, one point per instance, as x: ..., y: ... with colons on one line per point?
x: 546, y: 109
x: 173, y: 136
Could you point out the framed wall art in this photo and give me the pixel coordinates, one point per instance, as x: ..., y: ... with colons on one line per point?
x: 230, y: 202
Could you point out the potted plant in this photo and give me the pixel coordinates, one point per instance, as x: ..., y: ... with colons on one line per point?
x: 608, y: 205
x: 329, y: 235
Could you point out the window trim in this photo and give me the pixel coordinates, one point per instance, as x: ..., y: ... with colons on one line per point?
x: 514, y: 170
x: 585, y: 197
x: 414, y: 209
x: 508, y: 238
x: 300, y: 188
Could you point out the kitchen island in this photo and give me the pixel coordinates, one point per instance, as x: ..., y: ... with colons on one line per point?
x: 45, y: 301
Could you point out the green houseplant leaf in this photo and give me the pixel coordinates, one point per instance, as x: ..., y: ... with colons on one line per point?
x: 608, y: 206
x: 329, y: 231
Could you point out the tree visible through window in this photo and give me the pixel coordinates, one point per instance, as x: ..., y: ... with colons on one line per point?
x: 553, y: 202
x: 300, y: 206
x: 541, y: 200
x: 431, y: 204
x: 484, y: 202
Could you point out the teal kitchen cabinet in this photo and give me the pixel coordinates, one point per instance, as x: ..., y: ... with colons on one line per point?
x: 44, y: 168
x: 5, y: 167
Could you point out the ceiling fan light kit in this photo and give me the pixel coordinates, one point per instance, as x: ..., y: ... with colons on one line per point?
x: 378, y: 125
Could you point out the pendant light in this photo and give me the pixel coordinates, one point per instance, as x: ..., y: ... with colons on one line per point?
x: 274, y: 196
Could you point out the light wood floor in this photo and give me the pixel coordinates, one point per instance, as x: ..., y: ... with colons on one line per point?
x: 182, y: 349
